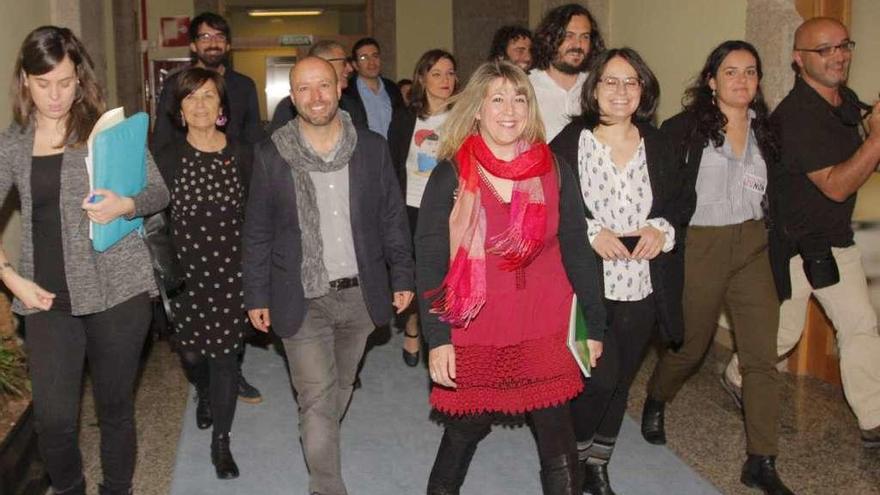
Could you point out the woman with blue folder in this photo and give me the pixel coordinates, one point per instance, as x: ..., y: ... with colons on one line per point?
x: 77, y: 303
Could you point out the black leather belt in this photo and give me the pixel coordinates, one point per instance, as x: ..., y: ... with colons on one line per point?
x: 344, y: 283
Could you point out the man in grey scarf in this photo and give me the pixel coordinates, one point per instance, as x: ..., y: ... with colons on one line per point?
x: 326, y: 241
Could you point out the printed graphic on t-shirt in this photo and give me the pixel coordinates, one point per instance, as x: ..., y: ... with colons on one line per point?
x: 427, y: 142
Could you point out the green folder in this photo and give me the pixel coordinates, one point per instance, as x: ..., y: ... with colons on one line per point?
x: 577, y: 337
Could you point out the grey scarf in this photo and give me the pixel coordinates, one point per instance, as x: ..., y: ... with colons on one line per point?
x: 301, y: 157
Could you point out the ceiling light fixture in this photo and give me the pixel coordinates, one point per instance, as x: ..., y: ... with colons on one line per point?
x: 284, y: 12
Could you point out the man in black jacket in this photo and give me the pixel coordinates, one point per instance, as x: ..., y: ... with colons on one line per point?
x: 371, y: 93
x: 210, y: 42
x: 325, y: 243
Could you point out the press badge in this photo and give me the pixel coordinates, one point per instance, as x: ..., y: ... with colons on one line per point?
x: 754, y: 183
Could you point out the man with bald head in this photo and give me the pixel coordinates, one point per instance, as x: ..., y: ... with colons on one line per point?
x: 824, y: 162
x: 326, y: 241
x: 333, y: 52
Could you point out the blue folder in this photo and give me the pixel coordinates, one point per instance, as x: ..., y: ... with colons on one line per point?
x: 119, y: 164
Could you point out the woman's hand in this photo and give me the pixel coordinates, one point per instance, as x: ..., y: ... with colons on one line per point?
x: 29, y: 293
x: 595, y: 347
x: 650, y: 243
x: 109, y: 208
x: 608, y: 246
x: 441, y: 363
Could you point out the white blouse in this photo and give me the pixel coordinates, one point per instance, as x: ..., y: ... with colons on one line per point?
x: 620, y: 200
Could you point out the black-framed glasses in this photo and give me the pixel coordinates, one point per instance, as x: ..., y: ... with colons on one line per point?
x: 337, y: 59
x: 827, y: 51
x: 206, y: 37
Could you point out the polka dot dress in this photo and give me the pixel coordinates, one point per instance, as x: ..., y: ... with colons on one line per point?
x: 207, y: 213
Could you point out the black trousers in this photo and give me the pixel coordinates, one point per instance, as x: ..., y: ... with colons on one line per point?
x: 598, y: 411
x: 217, y: 377
x: 58, y: 345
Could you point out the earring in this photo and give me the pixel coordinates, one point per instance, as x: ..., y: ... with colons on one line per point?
x: 182, y: 120
x: 714, y: 100
x: 221, y: 120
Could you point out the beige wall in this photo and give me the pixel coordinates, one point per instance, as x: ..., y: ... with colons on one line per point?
x: 674, y: 37
x: 421, y: 26
x: 27, y: 15
x: 865, y: 80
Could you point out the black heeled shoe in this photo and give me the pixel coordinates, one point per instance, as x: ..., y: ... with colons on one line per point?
x: 653, y: 422
x: 759, y: 472
x: 596, y: 480
x: 204, y: 419
x: 412, y: 358
x: 221, y: 457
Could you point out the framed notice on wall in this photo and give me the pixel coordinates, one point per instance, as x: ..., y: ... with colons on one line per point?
x: 174, y: 31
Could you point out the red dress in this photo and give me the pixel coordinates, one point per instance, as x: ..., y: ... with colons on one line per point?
x: 512, y: 358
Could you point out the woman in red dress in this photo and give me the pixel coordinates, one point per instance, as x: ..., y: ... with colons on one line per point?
x: 501, y: 247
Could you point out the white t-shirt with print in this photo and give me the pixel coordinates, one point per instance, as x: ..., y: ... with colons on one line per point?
x: 422, y: 156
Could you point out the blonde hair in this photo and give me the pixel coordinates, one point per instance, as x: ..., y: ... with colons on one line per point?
x: 462, y: 119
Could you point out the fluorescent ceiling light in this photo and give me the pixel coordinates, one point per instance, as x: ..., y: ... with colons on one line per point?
x: 283, y: 12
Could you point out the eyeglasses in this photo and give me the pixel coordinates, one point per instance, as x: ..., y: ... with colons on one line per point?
x: 337, y: 59
x: 827, y: 51
x: 207, y: 37
x: 627, y: 83
x: 368, y: 56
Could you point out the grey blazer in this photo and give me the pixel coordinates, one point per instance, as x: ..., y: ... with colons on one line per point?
x: 97, y: 281
x: 272, y: 247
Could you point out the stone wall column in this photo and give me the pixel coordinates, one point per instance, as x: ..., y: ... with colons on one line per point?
x: 474, y: 24
x: 770, y: 26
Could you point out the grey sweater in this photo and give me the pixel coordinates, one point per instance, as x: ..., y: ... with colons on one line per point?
x: 97, y: 281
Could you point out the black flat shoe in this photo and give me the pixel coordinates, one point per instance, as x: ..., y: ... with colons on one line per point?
x: 759, y: 472
x: 221, y: 457
x: 596, y: 480
x: 412, y: 358
x: 247, y: 392
x: 653, y: 427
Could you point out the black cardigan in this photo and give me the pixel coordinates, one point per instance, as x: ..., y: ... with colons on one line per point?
x: 667, y: 269
x: 689, y: 153
x: 400, y: 133
x: 432, y: 250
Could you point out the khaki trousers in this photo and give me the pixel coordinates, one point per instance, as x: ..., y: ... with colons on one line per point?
x: 847, y: 305
x: 730, y: 266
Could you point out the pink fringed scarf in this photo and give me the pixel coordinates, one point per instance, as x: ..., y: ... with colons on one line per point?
x: 463, y: 291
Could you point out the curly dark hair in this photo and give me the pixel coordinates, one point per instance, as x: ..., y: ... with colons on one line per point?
x: 212, y: 20
x: 551, y: 32
x: 699, y: 100
x: 502, y: 38
x: 591, y: 115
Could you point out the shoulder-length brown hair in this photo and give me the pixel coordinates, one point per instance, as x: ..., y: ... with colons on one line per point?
x: 418, y: 96
x: 463, y: 116
x: 42, y: 50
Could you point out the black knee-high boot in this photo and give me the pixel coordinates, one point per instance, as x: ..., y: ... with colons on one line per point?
x: 559, y: 475
x: 454, y: 458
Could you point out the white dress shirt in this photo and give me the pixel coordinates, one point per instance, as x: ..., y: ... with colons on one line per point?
x: 557, y: 105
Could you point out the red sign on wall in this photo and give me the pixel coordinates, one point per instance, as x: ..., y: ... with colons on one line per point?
x: 174, y: 31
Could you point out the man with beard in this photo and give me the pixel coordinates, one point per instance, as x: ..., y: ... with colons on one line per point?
x: 210, y: 39
x: 565, y: 42
x: 514, y: 44
x: 824, y: 162
x: 325, y: 241
x: 210, y: 42
x: 334, y: 53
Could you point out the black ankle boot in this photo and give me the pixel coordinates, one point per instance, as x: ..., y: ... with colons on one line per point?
x: 596, y: 480
x: 451, y: 465
x: 103, y: 490
x: 759, y: 471
x: 653, y: 428
x: 204, y: 419
x: 559, y: 475
x: 221, y: 457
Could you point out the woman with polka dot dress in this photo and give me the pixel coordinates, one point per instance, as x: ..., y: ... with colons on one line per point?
x: 207, y: 178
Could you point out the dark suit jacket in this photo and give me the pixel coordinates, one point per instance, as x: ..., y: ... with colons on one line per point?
x: 689, y: 153
x: 667, y: 269
x: 272, y: 248
x: 357, y: 105
x: 285, y: 112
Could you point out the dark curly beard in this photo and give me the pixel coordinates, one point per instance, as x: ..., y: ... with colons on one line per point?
x: 568, y: 68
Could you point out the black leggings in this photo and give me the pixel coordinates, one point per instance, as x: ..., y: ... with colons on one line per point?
x: 598, y: 411
x: 551, y: 427
x: 217, y: 377
x: 57, y: 346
